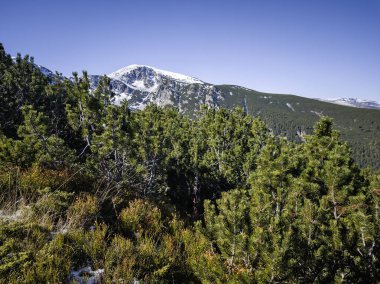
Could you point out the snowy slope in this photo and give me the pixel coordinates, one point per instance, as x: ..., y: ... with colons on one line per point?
x: 141, y: 85
x: 150, y: 79
x: 353, y: 102
x: 138, y: 75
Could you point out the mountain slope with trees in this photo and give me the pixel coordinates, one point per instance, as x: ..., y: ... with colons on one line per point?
x: 90, y: 189
x: 293, y: 116
x: 287, y: 115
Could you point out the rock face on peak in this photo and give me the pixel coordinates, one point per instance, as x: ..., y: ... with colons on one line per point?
x: 141, y: 85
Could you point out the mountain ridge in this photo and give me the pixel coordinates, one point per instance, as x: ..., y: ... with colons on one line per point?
x: 123, y: 74
x: 353, y: 102
x: 143, y: 84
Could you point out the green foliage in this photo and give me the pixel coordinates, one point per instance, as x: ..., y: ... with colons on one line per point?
x: 83, y: 212
x: 50, y: 206
x: 95, y: 245
x: 306, y: 218
x: 22, y: 83
x: 157, y: 252
x: 359, y: 127
x: 141, y: 217
x: 51, y: 263
x: 11, y: 260
x: 19, y: 243
x: 120, y: 260
x: 156, y: 131
x: 155, y: 196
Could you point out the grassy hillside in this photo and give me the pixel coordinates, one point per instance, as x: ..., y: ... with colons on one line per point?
x: 291, y: 116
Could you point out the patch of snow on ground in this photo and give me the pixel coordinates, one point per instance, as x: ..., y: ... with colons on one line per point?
x: 86, y: 275
x: 290, y: 106
x: 301, y: 134
x: 317, y: 113
x: 12, y: 216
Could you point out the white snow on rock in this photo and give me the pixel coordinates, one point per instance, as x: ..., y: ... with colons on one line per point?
x: 121, y: 97
x: 154, y: 71
x: 45, y: 71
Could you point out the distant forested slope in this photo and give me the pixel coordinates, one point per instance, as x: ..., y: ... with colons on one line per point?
x: 291, y: 116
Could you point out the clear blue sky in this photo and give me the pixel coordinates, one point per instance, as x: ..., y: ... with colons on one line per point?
x: 309, y: 48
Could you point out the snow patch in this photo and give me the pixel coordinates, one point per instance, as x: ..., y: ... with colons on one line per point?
x: 139, y: 85
x: 319, y: 114
x: 265, y: 97
x: 86, y: 275
x: 290, y: 106
x: 353, y: 102
x: 121, y: 97
x: 301, y: 134
x: 12, y: 216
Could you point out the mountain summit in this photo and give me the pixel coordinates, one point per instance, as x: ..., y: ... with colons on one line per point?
x: 148, y: 78
x: 141, y: 85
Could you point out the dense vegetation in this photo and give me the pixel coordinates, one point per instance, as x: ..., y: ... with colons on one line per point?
x: 154, y: 196
x: 292, y: 116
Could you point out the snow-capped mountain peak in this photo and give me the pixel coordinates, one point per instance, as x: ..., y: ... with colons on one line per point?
x: 353, y: 102
x: 141, y: 85
x: 147, y: 78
